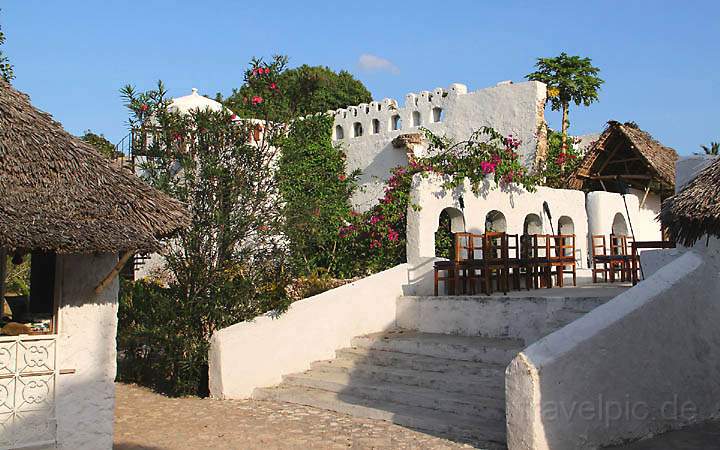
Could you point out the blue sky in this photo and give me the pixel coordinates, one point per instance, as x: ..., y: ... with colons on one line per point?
x: 660, y: 59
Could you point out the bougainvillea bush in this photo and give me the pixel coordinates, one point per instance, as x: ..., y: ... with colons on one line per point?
x: 560, y: 162
x: 377, y: 237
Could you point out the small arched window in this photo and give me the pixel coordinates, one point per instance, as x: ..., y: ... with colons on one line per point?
x: 375, y: 126
x: 339, y: 134
x: 357, y: 129
x: 495, y: 222
x: 437, y: 114
x: 395, y: 122
x: 416, y: 119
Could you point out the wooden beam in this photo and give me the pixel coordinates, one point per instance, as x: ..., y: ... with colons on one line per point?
x: 3, y: 274
x: 114, y: 272
x: 625, y: 160
x: 647, y: 191
x: 617, y: 177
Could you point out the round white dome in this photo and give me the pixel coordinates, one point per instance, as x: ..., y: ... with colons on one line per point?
x: 187, y: 103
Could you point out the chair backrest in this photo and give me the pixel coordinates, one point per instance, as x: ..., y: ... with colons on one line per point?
x: 513, y: 246
x: 618, y: 244
x: 526, y: 246
x: 495, y: 246
x: 541, y: 246
x: 598, y: 246
x: 562, y: 246
x: 464, y: 248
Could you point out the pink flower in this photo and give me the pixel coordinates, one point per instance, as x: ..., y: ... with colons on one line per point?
x: 487, y: 167
x: 374, y: 220
x: 267, y: 70
x: 144, y: 107
x: 393, y: 235
x: 256, y: 100
x: 273, y: 86
x: 375, y: 244
x: 233, y: 117
x: 342, y: 177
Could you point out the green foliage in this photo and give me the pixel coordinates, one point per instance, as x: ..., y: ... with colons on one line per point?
x: 444, y: 240
x: 316, y: 194
x: 228, y: 266
x: 17, y: 279
x: 560, y: 162
x: 6, y: 69
x: 713, y: 149
x: 306, y: 90
x: 101, y: 144
x: 569, y: 79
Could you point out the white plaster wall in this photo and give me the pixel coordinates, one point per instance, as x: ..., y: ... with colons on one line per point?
x: 645, y: 362
x: 516, y: 109
x: 515, y: 203
x: 86, y: 343
x: 603, y: 206
x: 254, y: 354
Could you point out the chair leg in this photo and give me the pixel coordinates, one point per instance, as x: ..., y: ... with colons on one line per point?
x: 574, y: 268
x: 436, y: 282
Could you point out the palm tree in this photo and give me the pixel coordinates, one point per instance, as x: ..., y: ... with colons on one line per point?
x: 714, y: 149
x: 569, y: 79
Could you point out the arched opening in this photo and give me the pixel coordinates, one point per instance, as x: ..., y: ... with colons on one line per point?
x: 566, y: 225
x: 495, y: 222
x: 339, y: 134
x: 437, y: 114
x: 416, y: 119
x: 451, y: 221
x: 619, y: 226
x: 357, y: 129
x: 395, y: 123
x: 532, y: 224
x: 375, y: 126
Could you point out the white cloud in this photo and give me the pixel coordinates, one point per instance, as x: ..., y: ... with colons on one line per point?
x: 374, y: 63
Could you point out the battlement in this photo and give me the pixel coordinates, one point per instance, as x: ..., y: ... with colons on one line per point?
x: 423, y: 108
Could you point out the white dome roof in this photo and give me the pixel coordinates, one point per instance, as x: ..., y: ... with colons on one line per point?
x: 187, y: 103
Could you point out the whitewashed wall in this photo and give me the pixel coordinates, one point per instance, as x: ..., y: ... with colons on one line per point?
x: 602, y: 207
x: 516, y: 109
x: 86, y: 343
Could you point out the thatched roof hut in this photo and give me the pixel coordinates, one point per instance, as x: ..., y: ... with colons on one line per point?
x: 625, y: 152
x: 58, y: 194
x: 695, y: 211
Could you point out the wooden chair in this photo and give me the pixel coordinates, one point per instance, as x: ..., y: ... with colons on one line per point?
x: 445, y: 272
x: 599, y: 257
x: 520, y: 262
x: 495, y: 261
x: 619, y: 260
x: 561, y: 255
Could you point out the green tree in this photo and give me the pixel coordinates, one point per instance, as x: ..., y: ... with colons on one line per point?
x: 101, y: 144
x: 316, y: 194
x: 228, y: 266
x: 569, y: 79
x: 6, y: 69
x: 714, y: 148
x: 305, y: 90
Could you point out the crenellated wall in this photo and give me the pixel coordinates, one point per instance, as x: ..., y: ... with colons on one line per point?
x: 516, y: 109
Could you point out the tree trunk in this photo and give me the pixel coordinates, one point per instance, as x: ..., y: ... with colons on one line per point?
x: 564, y: 133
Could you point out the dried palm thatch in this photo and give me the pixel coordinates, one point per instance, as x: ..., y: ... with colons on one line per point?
x: 695, y: 211
x: 625, y: 152
x: 58, y: 194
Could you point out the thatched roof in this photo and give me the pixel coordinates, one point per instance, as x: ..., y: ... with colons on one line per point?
x: 694, y: 211
x: 58, y: 194
x: 625, y: 152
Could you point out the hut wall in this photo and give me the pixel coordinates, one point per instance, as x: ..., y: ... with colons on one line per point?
x: 86, y: 343
x: 516, y: 109
x: 603, y: 206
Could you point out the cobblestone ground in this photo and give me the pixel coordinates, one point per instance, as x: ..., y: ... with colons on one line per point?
x: 145, y: 420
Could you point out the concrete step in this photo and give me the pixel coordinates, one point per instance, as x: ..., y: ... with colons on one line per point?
x: 490, y: 433
x: 462, y: 348
x: 452, y: 379
x: 359, y: 357
x: 490, y: 404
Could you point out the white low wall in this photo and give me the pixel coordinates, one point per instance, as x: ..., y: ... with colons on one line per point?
x: 255, y: 354
x: 645, y: 362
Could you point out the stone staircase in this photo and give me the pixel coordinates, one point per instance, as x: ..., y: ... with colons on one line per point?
x: 449, y: 385
x: 447, y: 379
